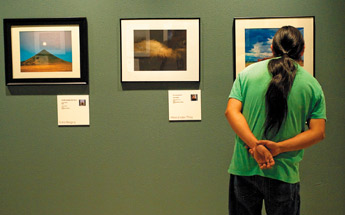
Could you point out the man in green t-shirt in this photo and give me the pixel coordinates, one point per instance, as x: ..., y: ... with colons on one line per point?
x: 268, y: 106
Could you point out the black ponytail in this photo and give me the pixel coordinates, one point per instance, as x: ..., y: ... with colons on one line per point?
x: 288, y: 45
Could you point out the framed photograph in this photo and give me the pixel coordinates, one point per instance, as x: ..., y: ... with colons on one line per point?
x: 160, y: 50
x: 253, y: 38
x: 46, y: 51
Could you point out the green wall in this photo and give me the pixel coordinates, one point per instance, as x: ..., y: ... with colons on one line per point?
x: 132, y: 160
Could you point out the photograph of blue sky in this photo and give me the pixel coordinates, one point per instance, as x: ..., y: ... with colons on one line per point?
x: 57, y: 43
x: 258, y: 43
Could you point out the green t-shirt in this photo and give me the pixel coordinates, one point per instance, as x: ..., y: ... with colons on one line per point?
x: 305, y: 101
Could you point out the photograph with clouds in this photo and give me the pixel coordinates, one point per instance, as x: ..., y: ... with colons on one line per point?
x: 258, y: 44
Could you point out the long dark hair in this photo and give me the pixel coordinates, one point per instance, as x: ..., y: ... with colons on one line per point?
x: 287, y: 47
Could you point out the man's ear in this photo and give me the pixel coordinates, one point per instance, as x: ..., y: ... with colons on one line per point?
x: 303, y: 51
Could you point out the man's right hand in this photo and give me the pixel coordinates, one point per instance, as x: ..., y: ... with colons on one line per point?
x: 262, y: 156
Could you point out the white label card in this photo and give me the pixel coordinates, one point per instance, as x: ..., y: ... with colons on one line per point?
x: 184, y: 105
x: 73, y: 110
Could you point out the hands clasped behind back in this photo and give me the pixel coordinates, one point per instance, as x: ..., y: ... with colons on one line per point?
x: 263, y: 156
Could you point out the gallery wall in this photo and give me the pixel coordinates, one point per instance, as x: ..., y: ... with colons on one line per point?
x: 131, y: 159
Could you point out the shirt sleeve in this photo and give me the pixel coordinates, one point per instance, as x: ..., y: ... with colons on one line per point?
x: 236, y: 91
x: 319, y: 110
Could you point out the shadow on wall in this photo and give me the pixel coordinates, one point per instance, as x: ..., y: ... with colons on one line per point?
x: 48, y: 90
x: 160, y: 85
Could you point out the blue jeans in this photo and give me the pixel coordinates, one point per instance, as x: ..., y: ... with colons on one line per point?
x: 246, y: 195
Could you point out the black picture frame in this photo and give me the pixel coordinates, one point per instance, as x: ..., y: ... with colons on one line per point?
x: 141, y: 66
x: 29, y: 59
x: 256, y: 24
